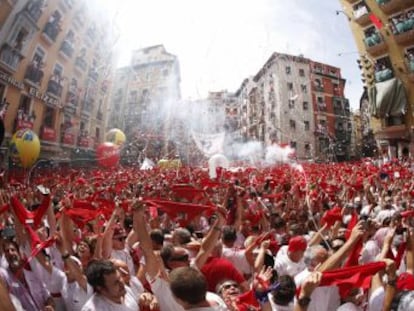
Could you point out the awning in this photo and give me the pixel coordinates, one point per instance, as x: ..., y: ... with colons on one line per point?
x: 387, y: 99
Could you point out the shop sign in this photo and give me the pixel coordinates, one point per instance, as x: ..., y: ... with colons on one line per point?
x: 12, y: 81
x: 23, y: 124
x: 48, y: 134
x: 43, y: 97
x: 69, y: 138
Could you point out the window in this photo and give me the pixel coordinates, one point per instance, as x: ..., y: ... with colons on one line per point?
x: 288, y: 70
x: 97, y: 133
x: 38, y: 55
x: 307, y: 125
x: 301, y: 72
x: 305, y: 105
x: 165, y: 72
x: 24, y: 106
x: 304, y: 88
x: 290, y: 86
x: 320, y: 100
x: 48, y: 121
x: 292, y: 124
x: 307, y: 147
x: 58, y: 70
x: 291, y: 104
x: 293, y: 144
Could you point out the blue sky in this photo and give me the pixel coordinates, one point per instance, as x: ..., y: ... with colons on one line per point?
x: 221, y: 42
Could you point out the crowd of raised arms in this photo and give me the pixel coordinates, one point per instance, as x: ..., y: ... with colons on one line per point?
x: 317, y: 237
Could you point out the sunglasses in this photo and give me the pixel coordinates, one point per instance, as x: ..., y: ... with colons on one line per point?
x: 184, y: 257
x: 228, y: 286
x: 120, y: 239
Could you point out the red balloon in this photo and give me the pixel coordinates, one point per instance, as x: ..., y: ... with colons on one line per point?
x: 108, y: 154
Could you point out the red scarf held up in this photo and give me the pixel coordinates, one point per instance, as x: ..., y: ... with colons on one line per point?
x: 23, y: 215
x: 181, y: 212
x: 351, y: 277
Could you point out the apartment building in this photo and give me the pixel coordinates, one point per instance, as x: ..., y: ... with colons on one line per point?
x: 295, y: 101
x: 55, y: 71
x: 145, y: 96
x: 384, y: 34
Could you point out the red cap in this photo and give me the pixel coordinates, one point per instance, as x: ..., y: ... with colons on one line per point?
x: 297, y: 243
x: 405, y: 282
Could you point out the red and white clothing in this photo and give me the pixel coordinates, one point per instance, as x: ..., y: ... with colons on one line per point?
x: 323, y: 298
x: 285, y: 266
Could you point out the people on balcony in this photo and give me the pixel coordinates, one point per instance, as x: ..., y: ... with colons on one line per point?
x: 35, y: 8
x: 360, y: 10
x: 53, y: 27
x: 382, y: 73
x: 403, y: 23
x: 55, y: 85
x: 409, y: 56
x: 372, y: 37
x: 34, y: 71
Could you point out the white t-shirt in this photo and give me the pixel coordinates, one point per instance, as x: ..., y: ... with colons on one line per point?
x: 285, y: 266
x: 323, y: 298
x: 238, y: 258
x: 100, y: 303
x: 161, y: 290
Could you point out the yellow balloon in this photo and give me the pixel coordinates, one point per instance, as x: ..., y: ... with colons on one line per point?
x: 24, y: 147
x: 115, y: 136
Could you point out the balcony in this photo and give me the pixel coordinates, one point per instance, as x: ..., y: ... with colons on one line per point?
x: 93, y: 74
x: 319, y: 88
x: 375, y: 45
x: 34, y: 74
x: 35, y: 9
x: 410, y: 69
x: 67, y: 49
x: 389, y: 6
x: 406, y: 38
x: 51, y: 32
x: 361, y: 16
x: 54, y: 88
x: 81, y: 64
x: 383, y: 75
x: 10, y: 57
x: 405, y: 4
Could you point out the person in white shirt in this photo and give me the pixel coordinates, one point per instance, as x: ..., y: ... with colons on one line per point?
x: 242, y: 259
x: 289, y: 259
x: 324, y: 298
x: 110, y: 292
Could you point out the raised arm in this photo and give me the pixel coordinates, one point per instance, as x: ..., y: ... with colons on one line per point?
x: 334, y: 260
x: 152, y: 263
x: 210, y: 241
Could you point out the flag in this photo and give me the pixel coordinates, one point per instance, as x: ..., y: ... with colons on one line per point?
x: 375, y: 20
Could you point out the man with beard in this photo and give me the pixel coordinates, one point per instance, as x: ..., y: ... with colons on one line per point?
x: 23, y: 283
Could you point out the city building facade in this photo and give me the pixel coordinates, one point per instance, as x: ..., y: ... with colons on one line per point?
x: 55, y: 71
x: 145, y: 96
x: 384, y: 34
x: 295, y: 101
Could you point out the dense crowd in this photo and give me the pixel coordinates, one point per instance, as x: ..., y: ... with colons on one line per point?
x: 337, y: 236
